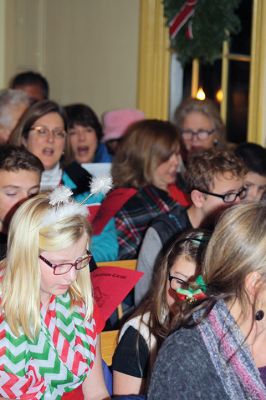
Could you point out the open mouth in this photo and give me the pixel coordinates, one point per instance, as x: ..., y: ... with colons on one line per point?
x: 83, y: 150
x: 48, y: 152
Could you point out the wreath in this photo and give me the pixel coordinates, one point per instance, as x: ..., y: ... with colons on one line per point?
x: 198, y: 28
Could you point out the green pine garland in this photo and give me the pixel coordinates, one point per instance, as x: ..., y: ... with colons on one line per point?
x: 212, y: 23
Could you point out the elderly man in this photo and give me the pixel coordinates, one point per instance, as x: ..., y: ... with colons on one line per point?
x: 13, y: 103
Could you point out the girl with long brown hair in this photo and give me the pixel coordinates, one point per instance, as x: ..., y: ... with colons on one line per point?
x: 142, y: 335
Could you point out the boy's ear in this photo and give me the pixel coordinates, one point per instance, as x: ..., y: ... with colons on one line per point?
x: 197, y: 198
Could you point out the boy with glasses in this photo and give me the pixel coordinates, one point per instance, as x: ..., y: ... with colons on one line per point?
x: 215, y: 179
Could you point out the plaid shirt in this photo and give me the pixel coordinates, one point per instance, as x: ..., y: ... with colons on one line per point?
x: 135, y: 217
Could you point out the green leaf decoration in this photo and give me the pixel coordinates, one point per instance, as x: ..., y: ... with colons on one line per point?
x: 213, y: 22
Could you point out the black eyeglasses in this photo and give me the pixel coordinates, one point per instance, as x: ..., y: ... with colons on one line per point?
x: 175, y: 282
x: 228, y: 197
x: 201, y: 134
x: 60, y: 269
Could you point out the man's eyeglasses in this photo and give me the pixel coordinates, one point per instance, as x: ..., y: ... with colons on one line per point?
x: 228, y: 197
x: 176, y: 282
x: 60, y: 269
x: 201, y: 134
x: 44, y: 132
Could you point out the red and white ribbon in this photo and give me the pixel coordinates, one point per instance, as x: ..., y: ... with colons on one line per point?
x: 179, y: 20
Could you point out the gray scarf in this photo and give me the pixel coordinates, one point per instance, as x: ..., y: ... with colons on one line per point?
x: 230, y: 355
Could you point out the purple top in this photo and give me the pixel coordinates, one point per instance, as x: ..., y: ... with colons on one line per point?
x: 262, y: 372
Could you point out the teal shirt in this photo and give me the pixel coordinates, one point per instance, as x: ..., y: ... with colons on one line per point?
x: 104, y: 247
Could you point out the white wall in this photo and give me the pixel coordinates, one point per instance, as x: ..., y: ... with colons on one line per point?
x: 88, y: 49
x: 2, y: 42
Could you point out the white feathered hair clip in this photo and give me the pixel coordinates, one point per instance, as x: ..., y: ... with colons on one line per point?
x: 63, y: 206
x: 99, y: 184
x: 61, y: 194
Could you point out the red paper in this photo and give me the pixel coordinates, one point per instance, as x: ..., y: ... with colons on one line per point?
x: 111, y: 285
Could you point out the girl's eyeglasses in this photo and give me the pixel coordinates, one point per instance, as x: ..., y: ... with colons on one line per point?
x: 64, y: 268
x: 175, y: 282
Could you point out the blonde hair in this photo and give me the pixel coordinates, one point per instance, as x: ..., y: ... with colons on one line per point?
x: 236, y: 248
x: 20, y: 287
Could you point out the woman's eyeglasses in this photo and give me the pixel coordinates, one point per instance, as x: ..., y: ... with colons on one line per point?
x: 44, y: 132
x: 64, y: 268
x: 201, y: 134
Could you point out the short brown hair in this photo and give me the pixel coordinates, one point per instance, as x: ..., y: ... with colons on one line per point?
x: 145, y: 145
x: 15, y: 158
x: 204, y: 166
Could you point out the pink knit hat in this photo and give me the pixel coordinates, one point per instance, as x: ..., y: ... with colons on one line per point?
x: 116, y: 122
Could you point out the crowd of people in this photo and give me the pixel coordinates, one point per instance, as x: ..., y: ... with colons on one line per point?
x: 185, y: 204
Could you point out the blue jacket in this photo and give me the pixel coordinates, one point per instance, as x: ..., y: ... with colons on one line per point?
x: 102, y: 155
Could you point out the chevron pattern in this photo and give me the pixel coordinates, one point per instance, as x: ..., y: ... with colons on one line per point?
x: 57, y: 361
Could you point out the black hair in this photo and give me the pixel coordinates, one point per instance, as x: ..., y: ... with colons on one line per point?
x: 81, y: 114
x: 31, y: 78
x: 253, y: 156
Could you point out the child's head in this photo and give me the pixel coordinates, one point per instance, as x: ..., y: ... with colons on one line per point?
x: 20, y: 175
x: 215, y: 180
x: 234, y: 265
x: 48, y: 236
x: 181, y: 260
x: 254, y: 158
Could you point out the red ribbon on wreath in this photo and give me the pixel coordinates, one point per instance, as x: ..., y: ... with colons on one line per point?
x: 179, y: 20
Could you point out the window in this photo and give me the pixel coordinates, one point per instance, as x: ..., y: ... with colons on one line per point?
x: 227, y: 80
